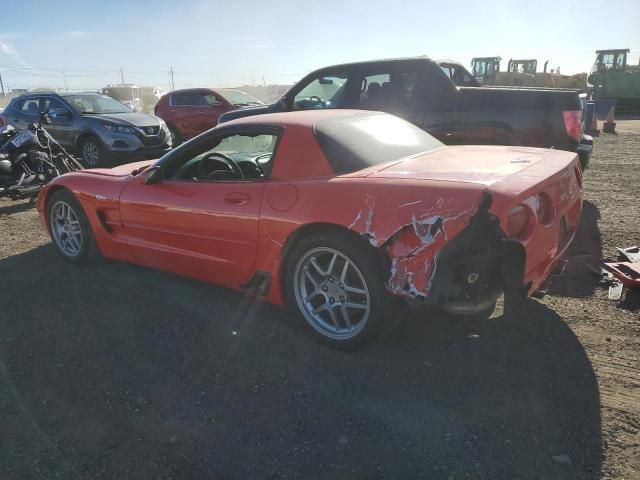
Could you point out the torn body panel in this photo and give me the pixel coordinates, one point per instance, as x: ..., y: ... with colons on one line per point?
x: 458, y: 260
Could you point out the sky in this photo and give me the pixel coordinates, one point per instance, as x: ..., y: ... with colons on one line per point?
x: 83, y: 44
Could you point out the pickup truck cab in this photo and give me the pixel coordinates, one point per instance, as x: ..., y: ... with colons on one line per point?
x: 421, y: 91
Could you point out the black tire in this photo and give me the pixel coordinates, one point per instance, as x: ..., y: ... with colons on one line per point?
x: 88, y: 250
x: 176, y: 138
x: 92, y: 144
x: 368, y: 267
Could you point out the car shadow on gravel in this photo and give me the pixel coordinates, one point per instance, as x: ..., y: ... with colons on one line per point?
x: 116, y: 371
x: 584, y: 254
x: 9, y: 207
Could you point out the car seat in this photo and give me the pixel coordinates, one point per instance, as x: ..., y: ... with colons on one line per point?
x: 33, y: 109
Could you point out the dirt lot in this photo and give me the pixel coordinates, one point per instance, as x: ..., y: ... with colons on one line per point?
x: 116, y: 371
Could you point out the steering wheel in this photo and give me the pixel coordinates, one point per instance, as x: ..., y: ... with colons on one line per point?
x: 226, y: 159
x: 263, y: 159
x: 316, y: 99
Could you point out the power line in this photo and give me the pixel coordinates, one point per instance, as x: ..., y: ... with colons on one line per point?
x: 30, y: 67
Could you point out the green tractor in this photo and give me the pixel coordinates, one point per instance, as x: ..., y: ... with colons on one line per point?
x: 613, y: 78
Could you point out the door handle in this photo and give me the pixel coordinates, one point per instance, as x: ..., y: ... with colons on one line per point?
x: 237, y: 199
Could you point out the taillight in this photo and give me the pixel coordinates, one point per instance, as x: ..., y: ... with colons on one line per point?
x: 572, y: 123
x: 544, y: 208
x: 517, y: 221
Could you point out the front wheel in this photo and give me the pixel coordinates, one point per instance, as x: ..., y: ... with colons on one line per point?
x: 336, y: 283
x: 70, y: 229
x: 93, y: 155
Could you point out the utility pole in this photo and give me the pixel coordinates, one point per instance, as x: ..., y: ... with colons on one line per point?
x: 66, y: 89
x: 1, y: 85
x: 173, y: 85
x: 121, y: 75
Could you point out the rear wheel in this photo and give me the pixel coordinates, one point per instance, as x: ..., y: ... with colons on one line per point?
x: 336, y: 284
x: 70, y: 229
x: 176, y: 139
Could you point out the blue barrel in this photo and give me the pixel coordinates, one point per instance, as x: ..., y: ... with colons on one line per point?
x: 603, y: 105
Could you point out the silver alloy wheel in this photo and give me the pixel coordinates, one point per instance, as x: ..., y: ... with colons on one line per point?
x: 90, y: 153
x: 331, y: 293
x: 65, y: 228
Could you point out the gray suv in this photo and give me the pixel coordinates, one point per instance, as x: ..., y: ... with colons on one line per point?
x: 101, y: 129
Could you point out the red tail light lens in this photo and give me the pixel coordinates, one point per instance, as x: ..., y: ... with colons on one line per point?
x: 573, y: 123
x: 544, y: 208
x: 517, y: 221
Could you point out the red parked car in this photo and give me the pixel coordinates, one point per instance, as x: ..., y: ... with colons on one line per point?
x: 192, y: 111
x: 338, y: 213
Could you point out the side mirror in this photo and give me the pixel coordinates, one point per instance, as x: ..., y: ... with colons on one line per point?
x: 152, y: 175
x: 281, y: 105
x: 45, y: 119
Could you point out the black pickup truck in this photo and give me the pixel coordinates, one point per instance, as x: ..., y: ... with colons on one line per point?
x: 421, y: 91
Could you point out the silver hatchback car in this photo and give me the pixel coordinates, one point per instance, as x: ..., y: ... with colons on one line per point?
x: 101, y: 129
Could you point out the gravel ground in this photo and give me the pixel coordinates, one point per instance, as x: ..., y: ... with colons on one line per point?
x: 116, y: 371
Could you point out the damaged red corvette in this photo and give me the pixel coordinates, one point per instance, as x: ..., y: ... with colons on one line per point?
x: 336, y: 213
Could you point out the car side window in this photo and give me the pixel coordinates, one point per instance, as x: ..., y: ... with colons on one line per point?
x: 53, y: 105
x: 31, y: 106
x: 234, y: 157
x: 393, y: 92
x: 375, y: 92
x: 326, y: 91
x: 207, y: 100
x: 184, y: 99
x: 409, y: 83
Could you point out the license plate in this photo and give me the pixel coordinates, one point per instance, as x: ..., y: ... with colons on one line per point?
x: 21, y: 138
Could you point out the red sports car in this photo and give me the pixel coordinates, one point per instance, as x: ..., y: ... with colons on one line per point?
x: 337, y: 213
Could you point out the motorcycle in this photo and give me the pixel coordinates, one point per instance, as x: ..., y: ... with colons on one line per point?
x: 31, y: 158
